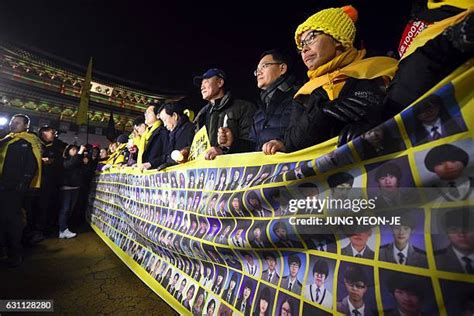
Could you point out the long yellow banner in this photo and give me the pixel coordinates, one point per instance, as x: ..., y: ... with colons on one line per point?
x: 381, y: 226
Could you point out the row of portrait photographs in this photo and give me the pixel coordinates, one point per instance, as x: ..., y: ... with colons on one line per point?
x: 402, y: 244
x: 435, y: 117
x: 318, y: 289
x: 400, y: 292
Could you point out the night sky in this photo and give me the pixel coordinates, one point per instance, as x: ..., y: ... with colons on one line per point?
x: 161, y: 45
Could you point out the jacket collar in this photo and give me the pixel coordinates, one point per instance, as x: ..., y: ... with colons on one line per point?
x: 219, y: 104
x: 284, y: 83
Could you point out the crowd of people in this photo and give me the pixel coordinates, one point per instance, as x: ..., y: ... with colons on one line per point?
x: 347, y: 95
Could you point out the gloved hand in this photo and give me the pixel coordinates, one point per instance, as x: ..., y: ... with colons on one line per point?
x: 312, y: 103
x: 346, y: 110
x: 351, y: 131
x: 461, y: 35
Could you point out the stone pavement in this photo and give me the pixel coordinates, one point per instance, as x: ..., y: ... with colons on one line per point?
x: 83, y: 276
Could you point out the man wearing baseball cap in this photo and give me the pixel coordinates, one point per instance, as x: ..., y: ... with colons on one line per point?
x: 222, y: 110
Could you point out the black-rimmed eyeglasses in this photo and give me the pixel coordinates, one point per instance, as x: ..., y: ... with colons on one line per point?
x: 264, y: 66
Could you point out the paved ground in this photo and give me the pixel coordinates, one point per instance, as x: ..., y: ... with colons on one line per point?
x: 83, y: 276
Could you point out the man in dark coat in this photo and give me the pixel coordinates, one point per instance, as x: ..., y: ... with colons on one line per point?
x: 423, y: 62
x: 154, y: 142
x: 46, y: 214
x: 223, y: 110
x: 19, y: 169
x: 181, y: 132
x: 277, y: 90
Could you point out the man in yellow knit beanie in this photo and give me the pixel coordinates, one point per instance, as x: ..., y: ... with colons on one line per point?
x: 344, y: 92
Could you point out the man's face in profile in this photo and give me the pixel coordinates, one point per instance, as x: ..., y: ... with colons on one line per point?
x: 429, y: 113
x: 408, y: 302
x: 449, y: 170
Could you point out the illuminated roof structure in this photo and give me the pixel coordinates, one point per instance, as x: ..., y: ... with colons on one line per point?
x: 47, y: 86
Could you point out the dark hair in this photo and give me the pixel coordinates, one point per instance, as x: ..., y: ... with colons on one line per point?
x: 265, y: 294
x: 156, y: 109
x: 388, y: 168
x: 339, y: 178
x: 279, y: 56
x: 171, y: 108
x: 444, y: 153
x: 355, y: 273
x: 279, y: 225
x: 139, y: 120
x: 43, y: 129
x: 407, y: 283
x: 287, y: 300
x: 253, y: 196
x: 294, y: 259
x: 321, y: 266
x: 25, y: 118
x: 66, y: 150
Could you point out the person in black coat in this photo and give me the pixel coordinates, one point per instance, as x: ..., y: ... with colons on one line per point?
x: 18, y: 167
x: 71, y: 183
x: 277, y: 90
x: 156, y: 140
x: 223, y: 111
x: 181, y: 132
x: 425, y: 64
x: 46, y: 213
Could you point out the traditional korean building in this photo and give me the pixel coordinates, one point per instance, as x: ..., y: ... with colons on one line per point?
x: 47, y: 88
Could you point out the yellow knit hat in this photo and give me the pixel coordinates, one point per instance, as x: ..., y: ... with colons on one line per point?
x: 336, y: 22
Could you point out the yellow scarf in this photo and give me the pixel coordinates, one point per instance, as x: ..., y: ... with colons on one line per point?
x: 35, y: 145
x: 117, y: 156
x: 144, y: 139
x: 332, y: 75
x: 434, y: 30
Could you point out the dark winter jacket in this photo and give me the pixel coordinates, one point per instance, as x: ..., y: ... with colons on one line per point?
x: 181, y: 137
x: 156, y: 149
x: 239, y: 119
x: 426, y: 66
x: 312, y: 123
x: 19, y: 167
x: 272, y: 118
x: 51, y: 173
x: 73, y: 171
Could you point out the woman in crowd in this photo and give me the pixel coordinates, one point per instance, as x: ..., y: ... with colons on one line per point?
x: 71, y: 183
